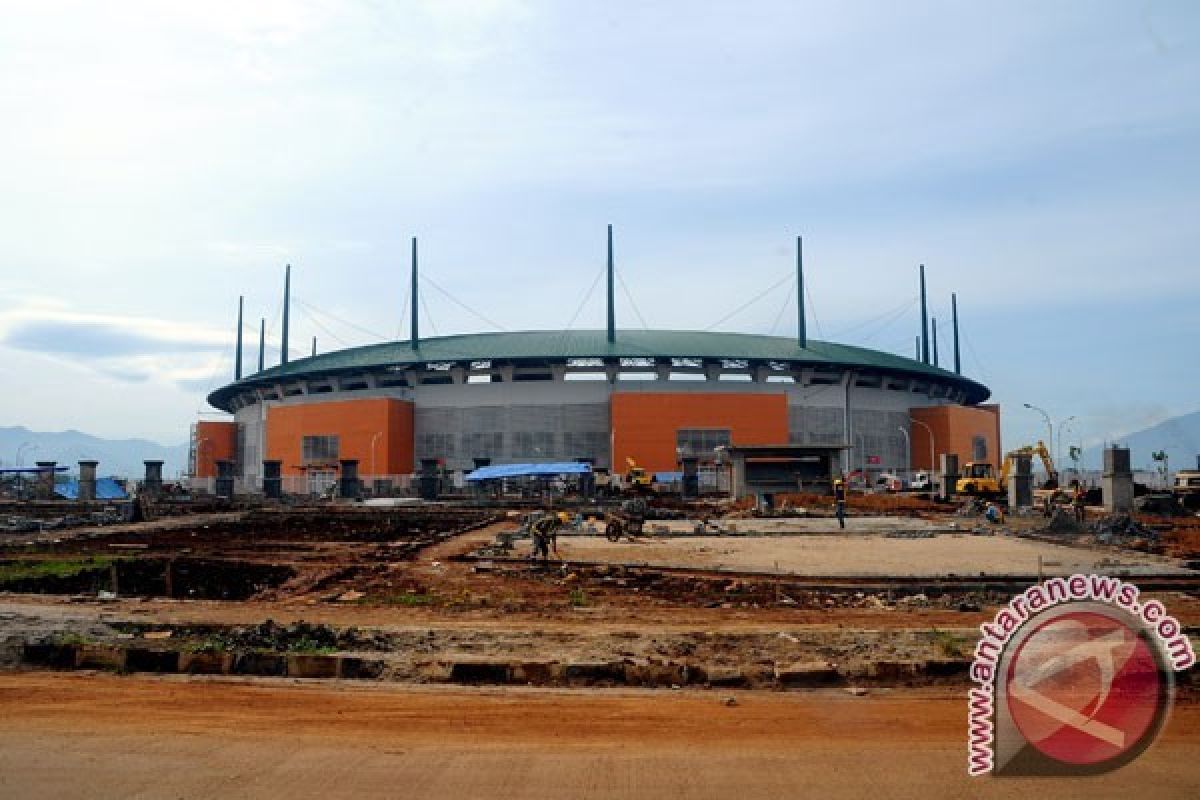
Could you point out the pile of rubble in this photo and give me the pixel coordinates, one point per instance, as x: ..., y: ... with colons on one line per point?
x: 15, y: 523
x: 1121, y: 529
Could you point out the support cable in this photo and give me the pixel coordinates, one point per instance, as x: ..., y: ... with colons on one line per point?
x: 428, y: 316
x: 787, y: 301
x: 461, y: 304
x: 373, y: 334
x: 586, y: 297
x: 753, y: 300
x: 632, y: 302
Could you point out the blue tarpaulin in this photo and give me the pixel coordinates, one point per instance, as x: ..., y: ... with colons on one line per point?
x: 523, y: 470
x: 106, y: 489
x: 30, y: 470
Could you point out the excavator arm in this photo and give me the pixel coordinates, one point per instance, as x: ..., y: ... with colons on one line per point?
x: 1048, y: 463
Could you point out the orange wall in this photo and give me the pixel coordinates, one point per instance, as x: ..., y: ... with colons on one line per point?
x: 954, y: 428
x: 215, y: 441
x: 355, y: 422
x: 644, y: 424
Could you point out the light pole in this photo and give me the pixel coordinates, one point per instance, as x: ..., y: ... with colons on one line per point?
x: 932, y: 450
x: 1049, y: 424
x: 907, y: 451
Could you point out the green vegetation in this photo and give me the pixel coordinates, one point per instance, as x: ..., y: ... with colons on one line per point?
x: 71, y: 639
x: 209, y: 644
x: 310, y: 646
x: 408, y: 599
x: 578, y: 598
x: 34, y: 569
x: 951, y: 646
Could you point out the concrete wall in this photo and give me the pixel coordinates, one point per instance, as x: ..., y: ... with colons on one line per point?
x: 378, y: 432
x: 644, y: 425
x: 215, y: 441
x: 954, y: 431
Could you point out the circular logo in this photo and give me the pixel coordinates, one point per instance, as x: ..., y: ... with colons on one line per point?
x: 1087, y: 689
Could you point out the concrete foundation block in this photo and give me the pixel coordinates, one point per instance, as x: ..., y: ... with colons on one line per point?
x: 806, y: 673
x: 312, y: 666
x: 206, y: 663
x: 362, y: 669
x: 538, y: 673
x: 652, y: 673
x: 100, y: 656
x: 587, y: 672
x: 725, y: 676
x: 270, y: 664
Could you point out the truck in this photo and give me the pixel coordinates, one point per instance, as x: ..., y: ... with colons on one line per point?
x: 979, y: 478
x: 1186, y: 487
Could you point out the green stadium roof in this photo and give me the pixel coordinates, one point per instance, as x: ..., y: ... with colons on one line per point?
x: 551, y: 346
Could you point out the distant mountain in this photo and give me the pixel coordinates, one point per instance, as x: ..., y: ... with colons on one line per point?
x: 117, y: 457
x: 1178, y: 436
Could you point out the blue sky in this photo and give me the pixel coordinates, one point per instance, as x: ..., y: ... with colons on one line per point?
x: 1042, y: 160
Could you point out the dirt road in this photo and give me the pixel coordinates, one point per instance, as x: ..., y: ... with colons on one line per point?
x: 66, y: 736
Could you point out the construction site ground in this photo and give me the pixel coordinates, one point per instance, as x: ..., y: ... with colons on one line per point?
x: 824, y: 551
x: 70, y: 736
x: 312, y: 650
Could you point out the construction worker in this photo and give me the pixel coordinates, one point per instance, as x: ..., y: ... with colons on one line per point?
x: 839, y: 501
x: 1078, y: 501
x: 544, y: 532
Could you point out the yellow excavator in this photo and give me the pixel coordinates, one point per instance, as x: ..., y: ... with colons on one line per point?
x: 637, y: 479
x: 979, y: 479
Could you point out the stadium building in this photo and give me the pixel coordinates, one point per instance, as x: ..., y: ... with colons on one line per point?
x: 601, y: 396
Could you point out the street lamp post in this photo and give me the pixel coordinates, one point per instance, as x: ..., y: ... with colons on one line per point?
x: 932, y: 450
x: 1045, y: 416
x: 907, y: 451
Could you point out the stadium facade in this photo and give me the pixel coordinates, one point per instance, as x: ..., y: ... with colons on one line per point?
x: 603, y: 396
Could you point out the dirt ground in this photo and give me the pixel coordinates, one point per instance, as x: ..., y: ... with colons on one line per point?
x: 74, y: 736
x: 859, y: 554
x: 403, y: 587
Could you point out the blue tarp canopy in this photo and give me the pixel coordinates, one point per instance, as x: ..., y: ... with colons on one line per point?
x: 668, y: 477
x: 30, y: 470
x: 524, y: 470
x: 106, y: 489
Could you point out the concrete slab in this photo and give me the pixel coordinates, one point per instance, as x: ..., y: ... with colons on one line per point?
x: 943, y: 554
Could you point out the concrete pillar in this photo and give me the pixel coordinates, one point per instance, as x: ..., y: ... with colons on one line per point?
x: 152, y: 484
x: 691, y: 477
x: 45, y: 479
x: 1117, y: 480
x: 349, y: 484
x: 87, y: 481
x: 224, y: 486
x: 428, y: 481
x: 1020, y: 483
x: 272, y: 472
x: 950, y: 474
